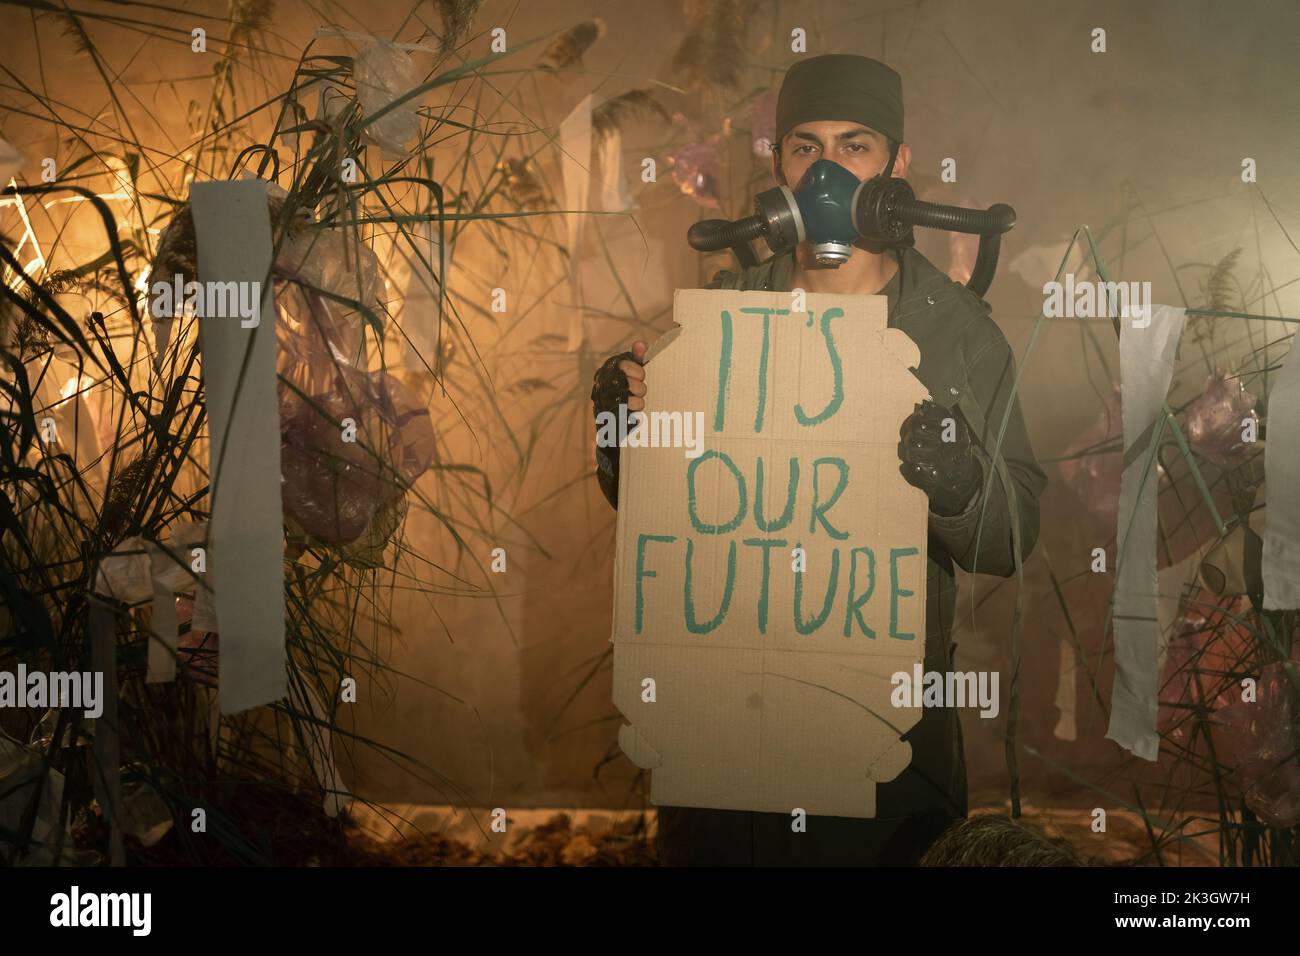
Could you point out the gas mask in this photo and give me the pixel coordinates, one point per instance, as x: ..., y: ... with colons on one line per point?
x: 818, y: 210
x: 832, y: 209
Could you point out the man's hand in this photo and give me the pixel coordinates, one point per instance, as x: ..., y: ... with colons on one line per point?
x: 935, y: 454
x: 620, y: 381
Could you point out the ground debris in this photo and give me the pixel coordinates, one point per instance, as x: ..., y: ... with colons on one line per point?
x: 557, y: 842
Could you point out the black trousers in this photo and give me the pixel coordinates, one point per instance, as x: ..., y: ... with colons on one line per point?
x: 692, y: 836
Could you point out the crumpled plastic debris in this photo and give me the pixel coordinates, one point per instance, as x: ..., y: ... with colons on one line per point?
x: 315, y: 265
x: 333, y: 487
x: 124, y: 573
x: 384, y: 72
x: 1214, y: 422
x: 352, y: 440
x: 22, y: 770
x: 697, y: 169
x: 127, y: 572
x: 144, y: 814
x: 1264, y: 737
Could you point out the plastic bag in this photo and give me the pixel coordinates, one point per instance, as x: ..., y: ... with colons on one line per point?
x: 144, y: 814
x: 384, y: 72
x: 22, y: 770
x: 1264, y: 736
x: 1214, y: 422
x: 352, y: 441
x: 333, y: 487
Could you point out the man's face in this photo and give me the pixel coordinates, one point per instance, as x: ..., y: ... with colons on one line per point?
x: 859, y: 149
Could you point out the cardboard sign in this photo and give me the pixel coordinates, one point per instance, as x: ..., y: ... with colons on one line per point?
x: 749, y: 684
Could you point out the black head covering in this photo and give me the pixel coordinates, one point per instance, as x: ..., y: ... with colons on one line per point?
x: 841, y: 86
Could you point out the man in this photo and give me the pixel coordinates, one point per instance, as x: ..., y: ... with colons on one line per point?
x: 849, y: 109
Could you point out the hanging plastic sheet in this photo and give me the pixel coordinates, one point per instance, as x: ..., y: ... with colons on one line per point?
x: 614, y: 196
x: 1147, y: 353
x: 384, y: 72
x: 327, y: 292
x: 1281, y: 558
x: 233, y: 235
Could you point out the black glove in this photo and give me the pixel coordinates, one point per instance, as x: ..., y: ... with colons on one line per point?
x: 945, y: 470
x: 609, y: 390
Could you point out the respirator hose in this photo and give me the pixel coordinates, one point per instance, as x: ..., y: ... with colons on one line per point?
x: 711, y: 234
x: 997, y: 219
x: 986, y: 263
x: 885, y: 209
x: 989, y: 224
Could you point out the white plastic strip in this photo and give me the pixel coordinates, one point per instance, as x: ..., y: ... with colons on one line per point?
x: 1146, y: 354
x: 1067, y: 696
x: 419, y: 301
x: 575, y: 159
x: 245, y: 563
x: 614, y: 196
x: 1281, y: 560
x: 320, y: 745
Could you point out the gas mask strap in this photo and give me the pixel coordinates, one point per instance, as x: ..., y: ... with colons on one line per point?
x: 893, y: 155
x: 898, y: 249
x: 909, y: 240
